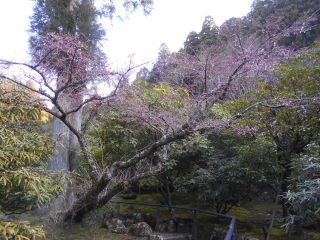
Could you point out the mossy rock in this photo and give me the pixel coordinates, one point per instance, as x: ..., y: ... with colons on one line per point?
x: 141, y: 229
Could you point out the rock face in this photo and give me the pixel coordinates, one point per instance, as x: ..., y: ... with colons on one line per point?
x: 141, y: 229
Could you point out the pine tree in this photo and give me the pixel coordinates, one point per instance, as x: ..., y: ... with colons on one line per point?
x: 161, y: 65
x: 205, y: 38
x: 209, y: 32
x: 143, y: 74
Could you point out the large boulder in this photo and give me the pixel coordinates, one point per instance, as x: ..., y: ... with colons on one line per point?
x: 141, y: 229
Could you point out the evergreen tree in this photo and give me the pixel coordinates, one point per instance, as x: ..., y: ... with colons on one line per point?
x: 205, y: 38
x: 161, y: 65
x: 74, y: 17
x: 143, y: 74
x: 290, y: 11
x: 164, y: 51
x: 192, y: 43
x: 209, y: 32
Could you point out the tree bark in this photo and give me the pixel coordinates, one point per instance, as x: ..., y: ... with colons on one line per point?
x: 74, y: 146
x: 268, y: 234
x: 66, y: 153
x: 60, y: 138
x: 92, y: 200
x: 59, y: 162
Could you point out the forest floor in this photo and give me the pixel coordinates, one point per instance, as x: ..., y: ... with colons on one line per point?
x: 251, y: 217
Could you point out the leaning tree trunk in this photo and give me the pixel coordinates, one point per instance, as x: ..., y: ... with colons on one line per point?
x: 92, y: 198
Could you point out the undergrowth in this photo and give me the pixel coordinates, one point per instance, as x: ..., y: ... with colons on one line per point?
x: 251, y: 217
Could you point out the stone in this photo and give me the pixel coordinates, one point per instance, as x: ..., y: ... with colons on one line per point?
x: 218, y: 232
x: 163, y: 227
x: 156, y: 237
x: 114, y: 223
x: 172, y: 228
x: 108, y: 215
x: 184, y: 228
x: 247, y: 238
x: 129, y: 215
x: 177, y: 236
x: 138, y: 217
x: 141, y: 229
x: 150, y: 219
x: 128, y: 222
x: 121, y: 230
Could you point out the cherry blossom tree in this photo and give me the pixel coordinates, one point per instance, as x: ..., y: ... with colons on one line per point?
x: 67, y: 78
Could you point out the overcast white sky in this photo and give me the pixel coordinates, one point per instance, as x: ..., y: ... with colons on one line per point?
x: 170, y: 22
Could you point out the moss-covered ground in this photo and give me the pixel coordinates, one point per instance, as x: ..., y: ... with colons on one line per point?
x: 251, y: 217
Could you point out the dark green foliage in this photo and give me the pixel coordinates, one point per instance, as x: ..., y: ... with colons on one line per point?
x: 114, y: 139
x: 67, y: 17
x: 227, y: 173
x: 77, y: 17
x: 143, y: 74
x: 108, y: 8
x: 192, y: 42
x: 290, y: 12
x: 257, y: 20
x: 161, y: 66
x: 285, y: 113
x: 303, y: 195
x: 209, y: 31
x: 205, y: 38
